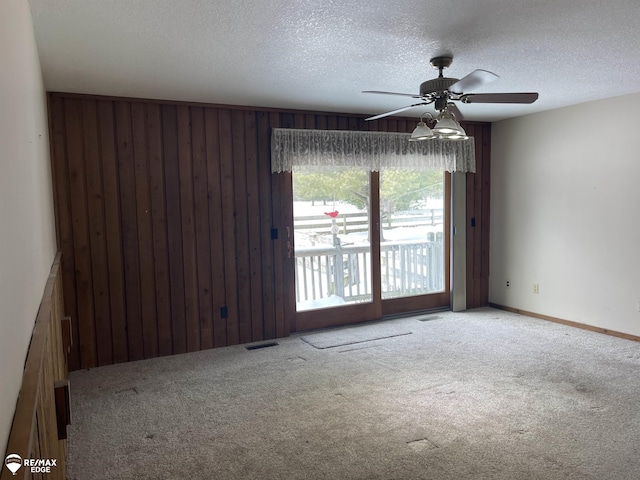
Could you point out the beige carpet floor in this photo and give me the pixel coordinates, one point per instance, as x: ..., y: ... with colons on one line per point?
x: 484, y: 394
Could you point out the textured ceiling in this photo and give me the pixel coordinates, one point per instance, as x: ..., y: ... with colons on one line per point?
x: 320, y: 54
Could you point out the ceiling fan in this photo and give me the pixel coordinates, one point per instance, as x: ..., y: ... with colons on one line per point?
x: 443, y: 90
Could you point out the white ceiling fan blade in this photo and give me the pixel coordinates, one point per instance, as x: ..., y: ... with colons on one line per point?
x: 398, y: 110
x: 392, y: 93
x: 475, y: 79
x: 499, y: 98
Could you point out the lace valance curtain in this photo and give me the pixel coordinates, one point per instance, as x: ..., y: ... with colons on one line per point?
x: 299, y: 149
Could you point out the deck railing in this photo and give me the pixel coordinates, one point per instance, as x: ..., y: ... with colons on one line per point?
x: 407, y: 268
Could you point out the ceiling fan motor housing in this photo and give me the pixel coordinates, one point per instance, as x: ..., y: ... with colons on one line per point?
x: 439, y: 84
x: 437, y: 91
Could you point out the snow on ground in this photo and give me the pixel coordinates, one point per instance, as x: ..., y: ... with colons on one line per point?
x: 330, y: 301
x: 303, y: 209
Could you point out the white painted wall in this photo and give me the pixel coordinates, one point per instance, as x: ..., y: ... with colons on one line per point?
x: 565, y: 213
x: 27, y: 231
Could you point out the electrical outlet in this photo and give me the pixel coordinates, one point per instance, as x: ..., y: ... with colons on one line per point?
x: 508, y: 283
x: 536, y: 288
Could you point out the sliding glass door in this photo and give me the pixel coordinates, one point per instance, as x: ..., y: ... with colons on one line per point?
x: 412, y: 233
x: 368, y: 244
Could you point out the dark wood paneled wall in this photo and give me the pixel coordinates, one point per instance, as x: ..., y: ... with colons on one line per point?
x: 478, y: 195
x: 165, y: 213
x: 35, y: 428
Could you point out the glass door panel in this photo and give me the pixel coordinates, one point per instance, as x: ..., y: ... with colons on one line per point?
x: 331, y: 217
x: 412, y: 240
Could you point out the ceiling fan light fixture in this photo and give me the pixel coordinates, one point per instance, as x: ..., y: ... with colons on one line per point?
x: 459, y: 135
x: 448, y: 128
x: 455, y: 137
x: 447, y: 125
x: 421, y: 132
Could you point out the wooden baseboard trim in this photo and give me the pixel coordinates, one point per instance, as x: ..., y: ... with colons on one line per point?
x: 570, y: 323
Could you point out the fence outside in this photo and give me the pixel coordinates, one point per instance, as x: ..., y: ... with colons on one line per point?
x: 359, y: 222
x: 407, y: 268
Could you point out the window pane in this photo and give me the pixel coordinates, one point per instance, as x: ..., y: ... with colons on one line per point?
x: 331, y: 231
x: 412, y: 233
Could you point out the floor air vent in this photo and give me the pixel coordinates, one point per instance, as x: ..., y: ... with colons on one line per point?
x: 261, y: 345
